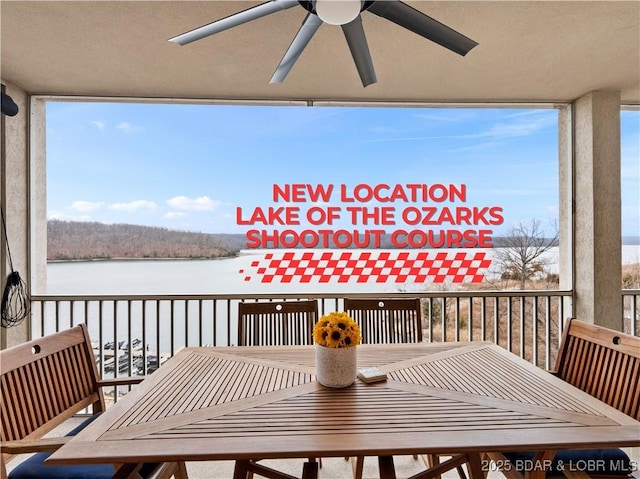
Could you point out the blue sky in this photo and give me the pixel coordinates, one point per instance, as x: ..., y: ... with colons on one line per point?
x: 190, y: 167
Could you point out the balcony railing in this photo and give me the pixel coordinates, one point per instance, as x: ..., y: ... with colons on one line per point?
x: 133, y: 334
x: 631, y: 311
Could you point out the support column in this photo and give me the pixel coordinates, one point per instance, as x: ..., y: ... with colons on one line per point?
x: 566, y: 204
x: 14, y: 196
x: 597, y: 204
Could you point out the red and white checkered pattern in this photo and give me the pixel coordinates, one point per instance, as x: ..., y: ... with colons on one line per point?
x: 363, y: 267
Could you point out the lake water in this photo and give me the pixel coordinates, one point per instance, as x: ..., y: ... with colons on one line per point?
x: 220, y: 276
x: 198, y: 277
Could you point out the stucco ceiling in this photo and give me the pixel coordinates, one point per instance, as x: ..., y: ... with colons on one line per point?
x: 528, y: 51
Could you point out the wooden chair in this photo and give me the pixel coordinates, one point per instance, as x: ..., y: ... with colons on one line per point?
x: 605, y: 364
x: 276, y: 323
x: 384, y: 321
x: 44, y: 383
x: 396, y: 320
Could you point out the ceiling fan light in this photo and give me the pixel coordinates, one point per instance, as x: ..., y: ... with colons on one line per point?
x: 338, y: 12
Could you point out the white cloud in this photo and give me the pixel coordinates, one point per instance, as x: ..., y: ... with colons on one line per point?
x: 59, y: 215
x: 451, y: 116
x: 125, y: 127
x: 133, y: 206
x: 100, y: 125
x: 174, y: 215
x: 523, y: 125
x: 86, y: 206
x: 517, y: 125
x: 201, y: 203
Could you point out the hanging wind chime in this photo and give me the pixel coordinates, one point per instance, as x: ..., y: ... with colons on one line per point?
x: 15, y: 301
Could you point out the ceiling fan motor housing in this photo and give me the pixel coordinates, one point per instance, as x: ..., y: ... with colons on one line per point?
x: 310, y: 5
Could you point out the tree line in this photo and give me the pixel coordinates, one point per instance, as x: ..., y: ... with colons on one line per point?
x: 73, y: 240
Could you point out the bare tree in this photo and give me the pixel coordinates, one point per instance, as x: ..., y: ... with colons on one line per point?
x: 519, y: 255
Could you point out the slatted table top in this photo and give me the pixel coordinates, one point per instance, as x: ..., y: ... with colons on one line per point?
x: 264, y: 402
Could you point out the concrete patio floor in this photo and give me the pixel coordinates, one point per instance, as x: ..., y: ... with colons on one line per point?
x: 339, y: 468
x: 332, y: 468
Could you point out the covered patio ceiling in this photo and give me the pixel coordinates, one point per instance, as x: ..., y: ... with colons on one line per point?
x: 529, y: 51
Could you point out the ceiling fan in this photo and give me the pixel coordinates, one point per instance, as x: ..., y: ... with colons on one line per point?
x: 345, y: 13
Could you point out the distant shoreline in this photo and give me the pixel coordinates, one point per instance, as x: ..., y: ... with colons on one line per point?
x: 245, y: 252
x: 69, y: 241
x: 98, y: 260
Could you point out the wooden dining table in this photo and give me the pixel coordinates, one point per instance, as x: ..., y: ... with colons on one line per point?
x: 244, y: 403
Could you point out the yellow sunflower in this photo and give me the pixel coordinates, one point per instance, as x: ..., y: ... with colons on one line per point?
x: 337, y: 330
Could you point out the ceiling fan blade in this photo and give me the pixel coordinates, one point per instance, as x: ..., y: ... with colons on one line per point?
x: 303, y: 37
x: 354, y: 33
x: 234, y: 20
x: 408, y: 17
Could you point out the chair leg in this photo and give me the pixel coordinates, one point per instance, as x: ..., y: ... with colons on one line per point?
x: 461, y: 472
x: 177, y: 470
x: 164, y: 470
x: 357, y: 466
x: 181, y: 471
x: 3, y: 467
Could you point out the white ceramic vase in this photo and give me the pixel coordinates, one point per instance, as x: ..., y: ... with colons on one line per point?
x: 336, y: 367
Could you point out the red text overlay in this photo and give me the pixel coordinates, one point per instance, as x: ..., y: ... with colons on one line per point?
x: 366, y: 266
x: 408, y: 216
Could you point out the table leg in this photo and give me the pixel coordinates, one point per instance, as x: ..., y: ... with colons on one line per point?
x: 434, y: 472
x: 541, y: 464
x: 387, y: 469
x: 241, y: 470
x: 310, y: 470
x: 474, y: 466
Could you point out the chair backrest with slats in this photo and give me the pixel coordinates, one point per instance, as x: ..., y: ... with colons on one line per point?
x: 45, y: 382
x: 603, y: 363
x: 277, y: 323
x: 396, y: 320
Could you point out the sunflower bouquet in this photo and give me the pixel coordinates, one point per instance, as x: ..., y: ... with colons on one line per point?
x: 337, y: 330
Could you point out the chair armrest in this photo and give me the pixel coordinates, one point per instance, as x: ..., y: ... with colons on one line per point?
x: 127, y: 471
x: 123, y: 381
x: 163, y: 470
x: 27, y: 446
